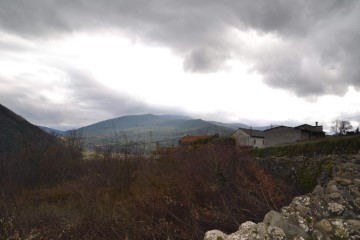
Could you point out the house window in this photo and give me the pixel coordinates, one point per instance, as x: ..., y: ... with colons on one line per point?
x: 254, y: 141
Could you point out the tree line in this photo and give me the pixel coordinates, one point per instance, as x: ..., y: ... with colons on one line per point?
x: 343, y: 127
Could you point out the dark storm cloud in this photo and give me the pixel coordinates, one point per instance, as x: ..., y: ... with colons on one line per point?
x: 87, y: 101
x: 319, y: 56
x: 26, y: 101
x: 204, y: 60
x: 87, y: 91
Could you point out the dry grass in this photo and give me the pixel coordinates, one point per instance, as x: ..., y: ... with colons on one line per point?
x: 176, y: 197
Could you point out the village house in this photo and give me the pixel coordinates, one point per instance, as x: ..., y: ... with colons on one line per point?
x: 282, y: 135
x: 279, y: 135
x: 285, y: 135
x: 310, y: 132
x: 249, y: 138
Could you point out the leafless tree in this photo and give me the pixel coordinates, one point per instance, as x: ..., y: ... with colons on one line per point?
x: 75, y: 141
x: 340, y: 127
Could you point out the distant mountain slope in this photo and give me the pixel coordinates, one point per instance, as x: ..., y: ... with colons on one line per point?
x: 52, y: 131
x: 131, y: 123
x: 16, y: 132
x: 29, y: 156
x: 234, y: 126
x: 167, y: 129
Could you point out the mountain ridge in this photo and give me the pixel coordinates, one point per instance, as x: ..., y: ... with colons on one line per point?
x: 232, y: 125
x: 16, y: 131
x: 150, y: 128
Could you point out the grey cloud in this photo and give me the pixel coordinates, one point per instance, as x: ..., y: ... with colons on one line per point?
x: 87, y: 91
x: 323, y: 35
x: 87, y: 101
x: 304, y: 75
x: 350, y: 116
x: 319, y: 62
x: 27, y: 101
x: 204, y: 60
x: 32, y: 18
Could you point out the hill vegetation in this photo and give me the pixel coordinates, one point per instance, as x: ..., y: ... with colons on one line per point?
x: 49, y: 192
x: 30, y: 156
x: 177, y: 196
x: 16, y: 132
x: 148, y: 129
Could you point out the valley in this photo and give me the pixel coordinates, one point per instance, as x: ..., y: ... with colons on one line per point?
x: 52, y: 189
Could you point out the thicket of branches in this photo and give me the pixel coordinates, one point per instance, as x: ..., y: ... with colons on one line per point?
x: 47, y: 160
x: 213, y: 186
x: 122, y: 194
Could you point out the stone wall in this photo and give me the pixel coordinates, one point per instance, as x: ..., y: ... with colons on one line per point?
x: 303, y: 172
x: 330, y: 211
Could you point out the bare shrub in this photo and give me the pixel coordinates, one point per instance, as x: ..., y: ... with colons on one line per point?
x: 212, y: 186
x: 115, y: 166
x: 45, y: 161
x: 127, y: 196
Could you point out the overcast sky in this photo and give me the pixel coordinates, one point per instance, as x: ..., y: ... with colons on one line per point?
x: 70, y: 63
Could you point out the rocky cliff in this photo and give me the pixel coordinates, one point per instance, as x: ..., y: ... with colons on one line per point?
x: 330, y: 211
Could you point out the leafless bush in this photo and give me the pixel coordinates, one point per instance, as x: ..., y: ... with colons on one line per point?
x: 213, y: 186
x: 126, y: 196
x: 45, y: 161
x: 117, y: 164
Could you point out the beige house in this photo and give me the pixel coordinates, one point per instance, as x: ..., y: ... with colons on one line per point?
x: 249, y: 138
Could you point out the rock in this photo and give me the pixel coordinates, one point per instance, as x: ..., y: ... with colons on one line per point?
x: 247, y: 230
x: 340, y: 229
x: 343, y: 181
x: 246, y: 226
x: 336, y: 208
x: 303, y: 200
x: 332, y: 212
x: 320, y: 235
x: 332, y: 188
x: 262, y: 230
x: 275, y: 219
x: 357, y: 182
x: 215, y: 235
x: 355, y: 191
x: 354, y: 224
x: 334, y: 195
x: 276, y: 233
x: 324, y: 226
x: 357, y: 203
x: 303, y: 211
x: 349, y: 214
x: 318, y: 189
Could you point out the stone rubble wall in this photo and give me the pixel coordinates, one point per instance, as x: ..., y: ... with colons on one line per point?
x: 331, y: 211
